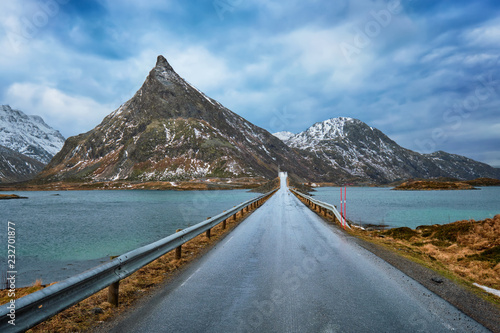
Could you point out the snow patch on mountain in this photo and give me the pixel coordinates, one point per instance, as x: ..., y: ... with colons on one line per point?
x: 330, y: 129
x: 284, y: 135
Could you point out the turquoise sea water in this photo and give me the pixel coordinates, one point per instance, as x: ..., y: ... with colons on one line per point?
x: 59, y: 234
x: 413, y: 208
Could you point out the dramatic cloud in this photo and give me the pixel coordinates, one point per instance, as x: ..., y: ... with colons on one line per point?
x: 425, y: 72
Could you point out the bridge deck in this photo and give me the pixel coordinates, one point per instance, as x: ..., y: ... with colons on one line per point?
x: 284, y: 270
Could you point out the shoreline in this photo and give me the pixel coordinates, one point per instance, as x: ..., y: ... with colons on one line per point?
x: 204, y: 185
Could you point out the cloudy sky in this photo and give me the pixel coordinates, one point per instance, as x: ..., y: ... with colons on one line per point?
x: 425, y: 72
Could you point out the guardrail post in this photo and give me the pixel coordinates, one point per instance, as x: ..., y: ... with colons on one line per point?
x: 207, y: 233
x: 178, y: 252
x: 113, y: 291
x: 224, y: 224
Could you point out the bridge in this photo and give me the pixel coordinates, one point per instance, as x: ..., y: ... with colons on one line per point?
x: 283, y: 269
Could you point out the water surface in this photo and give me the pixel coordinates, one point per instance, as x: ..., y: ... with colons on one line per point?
x: 378, y: 205
x: 59, y: 234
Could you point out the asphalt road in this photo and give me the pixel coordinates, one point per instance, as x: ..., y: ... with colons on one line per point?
x: 283, y: 269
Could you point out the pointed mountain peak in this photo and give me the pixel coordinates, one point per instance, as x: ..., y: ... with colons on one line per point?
x: 162, y: 63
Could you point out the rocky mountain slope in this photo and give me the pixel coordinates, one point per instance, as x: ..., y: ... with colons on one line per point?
x: 362, y: 151
x: 16, y: 167
x: 169, y: 130
x: 28, y: 135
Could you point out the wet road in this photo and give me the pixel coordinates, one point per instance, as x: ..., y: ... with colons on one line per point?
x: 284, y: 270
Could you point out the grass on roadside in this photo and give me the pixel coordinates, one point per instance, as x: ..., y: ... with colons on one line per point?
x: 463, y: 251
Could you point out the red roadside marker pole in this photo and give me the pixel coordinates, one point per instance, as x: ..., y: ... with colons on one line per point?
x: 345, y: 205
x: 341, y: 204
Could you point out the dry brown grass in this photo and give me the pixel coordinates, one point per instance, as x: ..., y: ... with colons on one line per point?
x: 467, y: 249
x: 21, y: 292
x: 94, y: 310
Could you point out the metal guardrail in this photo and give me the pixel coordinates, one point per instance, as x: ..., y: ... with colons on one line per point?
x: 43, y: 304
x: 310, y: 200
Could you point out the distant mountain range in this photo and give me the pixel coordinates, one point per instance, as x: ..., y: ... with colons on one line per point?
x: 28, y: 135
x: 27, y: 144
x: 169, y: 130
x: 365, y: 152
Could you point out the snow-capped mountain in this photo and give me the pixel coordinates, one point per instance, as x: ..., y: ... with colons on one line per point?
x: 284, y: 135
x: 28, y: 135
x: 352, y: 146
x: 16, y: 167
x: 170, y: 130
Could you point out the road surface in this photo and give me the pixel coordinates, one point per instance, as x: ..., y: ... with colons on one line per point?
x: 284, y: 269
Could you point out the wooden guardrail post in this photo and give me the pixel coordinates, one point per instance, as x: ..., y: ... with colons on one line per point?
x: 207, y: 233
x: 178, y: 249
x: 224, y: 224
x: 113, y: 291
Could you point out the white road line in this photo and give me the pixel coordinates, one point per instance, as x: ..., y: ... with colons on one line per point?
x: 229, y: 240
x: 189, y: 278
